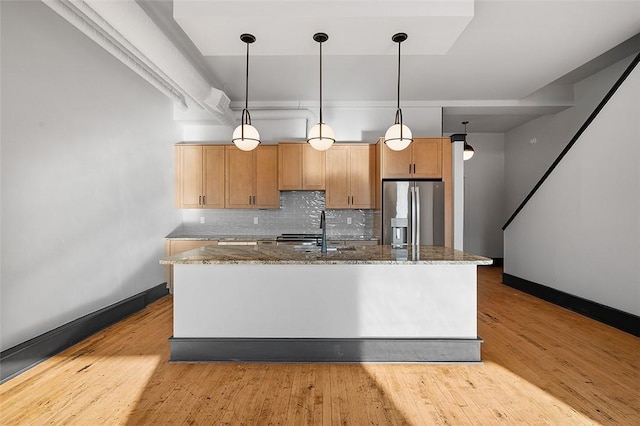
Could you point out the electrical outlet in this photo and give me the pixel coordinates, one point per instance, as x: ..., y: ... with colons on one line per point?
x: 201, y: 219
x: 348, y: 221
x: 255, y: 220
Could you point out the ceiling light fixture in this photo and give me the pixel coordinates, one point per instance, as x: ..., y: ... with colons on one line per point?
x: 245, y: 136
x: 321, y: 136
x: 398, y: 136
x: 462, y: 137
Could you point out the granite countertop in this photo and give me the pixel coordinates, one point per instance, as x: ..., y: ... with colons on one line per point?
x: 290, y: 255
x: 219, y: 237
x: 181, y: 234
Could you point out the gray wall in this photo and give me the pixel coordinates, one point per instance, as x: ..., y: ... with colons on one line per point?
x: 580, y: 233
x: 484, y: 192
x: 87, y: 175
x: 526, y: 162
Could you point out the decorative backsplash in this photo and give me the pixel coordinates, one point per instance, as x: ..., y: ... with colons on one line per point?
x: 299, y: 213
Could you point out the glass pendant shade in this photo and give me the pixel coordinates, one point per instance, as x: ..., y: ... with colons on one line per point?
x: 246, y: 137
x: 397, y: 141
x: 318, y: 141
x: 468, y: 152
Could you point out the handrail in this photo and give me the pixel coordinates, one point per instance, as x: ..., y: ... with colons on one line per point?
x: 573, y: 140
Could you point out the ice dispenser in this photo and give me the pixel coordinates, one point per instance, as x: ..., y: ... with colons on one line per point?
x: 399, y: 227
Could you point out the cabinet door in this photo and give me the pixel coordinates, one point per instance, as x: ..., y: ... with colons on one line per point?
x: 396, y: 164
x: 290, y: 168
x: 313, y: 168
x: 239, y: 178
x: 213, y: 177
x: 172, y: 247
x: 361, y: 176
x: 266, y: 191
x: 427, y: 157
x: 188, y: 176
x: 179, y: 246
x: 337, y: 178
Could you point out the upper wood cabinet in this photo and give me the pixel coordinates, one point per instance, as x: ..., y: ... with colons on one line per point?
x: 421, y: 160
x: 199, y: 176
x: 301, y: 167
x: 252, y: 178
x: 350, y: 176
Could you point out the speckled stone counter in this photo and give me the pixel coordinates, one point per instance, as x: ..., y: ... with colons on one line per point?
x: 198, y: 236
x: 356, y: 304
x: 292, y: 255
x: 183, y: 235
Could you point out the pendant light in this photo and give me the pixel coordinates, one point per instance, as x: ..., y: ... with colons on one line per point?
x: 321, y: 136
x: 462, y: 137
x: 468, y: 149
x: 398, y: 136
x: 245, y: 136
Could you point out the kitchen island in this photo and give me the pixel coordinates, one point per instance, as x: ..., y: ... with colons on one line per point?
x: 352, y: 304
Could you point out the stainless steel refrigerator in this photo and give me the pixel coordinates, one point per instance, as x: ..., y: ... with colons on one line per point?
x: 412, y: 213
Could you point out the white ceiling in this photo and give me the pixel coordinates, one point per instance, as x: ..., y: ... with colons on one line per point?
x: 494, y: 63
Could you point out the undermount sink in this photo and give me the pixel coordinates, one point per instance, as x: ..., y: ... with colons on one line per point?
x: 314, y: 249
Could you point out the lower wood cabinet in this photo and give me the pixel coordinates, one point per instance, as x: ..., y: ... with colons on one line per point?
x: 347, y: 243
x: 172, y: 247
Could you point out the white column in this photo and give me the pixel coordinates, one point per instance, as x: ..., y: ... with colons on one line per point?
x: 458, y: 195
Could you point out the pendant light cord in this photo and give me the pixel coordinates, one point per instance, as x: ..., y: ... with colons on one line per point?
x: 246, y: 118
x: 398, y: 110
x: 246, y: 82
x: 321, y: 121
x: 398, y: 105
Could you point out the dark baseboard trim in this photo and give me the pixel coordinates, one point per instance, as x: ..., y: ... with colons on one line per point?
x: 324, y: 350
x: 20, y: 358
x: 615, y: 318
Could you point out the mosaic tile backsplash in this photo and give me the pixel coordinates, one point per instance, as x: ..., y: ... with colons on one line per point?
x: 299, y: 213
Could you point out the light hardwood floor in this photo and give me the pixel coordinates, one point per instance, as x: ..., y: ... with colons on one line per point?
x: 541, y: 365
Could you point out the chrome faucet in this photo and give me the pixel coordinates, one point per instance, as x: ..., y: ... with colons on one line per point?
x: 323, y: 226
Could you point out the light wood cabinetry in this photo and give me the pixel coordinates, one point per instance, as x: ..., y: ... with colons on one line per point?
x: 251, y: 178
x: 447, y: 178
x: 172, y: 247
x: 421, y: 160
x: 350, y: 176
x: 348, y: 243
x: 199, y: 176
x: 301, y: 167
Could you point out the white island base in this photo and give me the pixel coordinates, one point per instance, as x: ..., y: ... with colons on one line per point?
x: 325, y: 313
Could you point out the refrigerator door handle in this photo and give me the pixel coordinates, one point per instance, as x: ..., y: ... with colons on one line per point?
x: 413, y: 215
x: 417, y: 239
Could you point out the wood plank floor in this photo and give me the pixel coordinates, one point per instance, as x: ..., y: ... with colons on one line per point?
x: 542, y: 365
